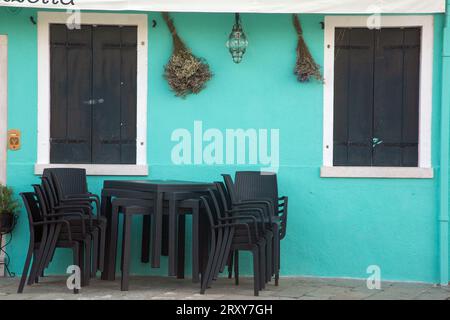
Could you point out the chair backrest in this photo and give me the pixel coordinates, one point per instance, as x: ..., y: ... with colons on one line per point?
x: 42, y: 199
x: 224, y: 195
x: 50, y: 193
x: 230, y: 188
x: 253, y: 185
x: 33, y: 212
x: 68, y: 181
x: 217, y: 200
x: 209, y: 208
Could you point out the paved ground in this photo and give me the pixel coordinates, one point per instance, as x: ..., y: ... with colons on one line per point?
x: 169, y: 288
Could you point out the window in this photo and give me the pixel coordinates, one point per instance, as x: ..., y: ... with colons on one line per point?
x: 93, y: 112
x: 377, y: 97
x: 93, y: 94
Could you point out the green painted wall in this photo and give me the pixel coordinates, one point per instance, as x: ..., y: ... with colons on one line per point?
x: 337, y: 227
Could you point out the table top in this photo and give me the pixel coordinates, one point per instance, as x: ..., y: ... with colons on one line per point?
x: 157, y: 185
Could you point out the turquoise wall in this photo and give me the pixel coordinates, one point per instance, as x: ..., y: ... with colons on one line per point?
x: 337, y: 227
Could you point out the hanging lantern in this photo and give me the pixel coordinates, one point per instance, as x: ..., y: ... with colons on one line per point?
x: 237, y: 41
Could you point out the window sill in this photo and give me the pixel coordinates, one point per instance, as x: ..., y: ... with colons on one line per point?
x: 377, y: 172
x: 99, y: 169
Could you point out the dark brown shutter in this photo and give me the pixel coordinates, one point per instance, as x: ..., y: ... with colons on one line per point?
x: 396, y: 103
x: 376, y: 97
x: 114, y: 90
x: 70, y: 81
x: 353, y: 97
x: 93, y: 94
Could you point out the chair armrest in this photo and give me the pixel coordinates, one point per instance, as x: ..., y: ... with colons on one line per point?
x: 68, y: 214
x: 257, y: 211
x: 73, y: 208
x: 250, y: 204
x: 224, y: 225
x: 65, y: 222
x: 84, y: 197
x: 254, y: 221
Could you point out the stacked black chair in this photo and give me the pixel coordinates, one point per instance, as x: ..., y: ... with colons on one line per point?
x: 263, y: 219
x: 79, y: 222
x: 260, y: 189
x: 69, y: 189
x: 42, y: 225
x: 232, y: 232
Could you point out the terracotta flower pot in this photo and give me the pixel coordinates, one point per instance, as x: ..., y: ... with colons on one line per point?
x: 6, y: 222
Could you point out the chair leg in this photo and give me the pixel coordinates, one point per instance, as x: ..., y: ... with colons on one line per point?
x: 207, y: 272
x: 276, y: 254
x: 236, y: 267
x: 38, y: 256
x: 95, y: 253
x: 126, y: 246
x: 269, y: 260
x: 262, y: 266
x: 277, y: 271
x: 87, y: 260
x: 34, y: 264
x: 230, y: 266
x: 256, y: 272
x: 82, y: 262
x: 76, y: 260
x: 50, y: 247
x: 26, y: 267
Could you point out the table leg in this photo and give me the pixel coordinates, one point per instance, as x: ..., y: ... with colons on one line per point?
x: 172, y: 236
x: 105, y: 211
x: 195, y: 245
x: 145, y: 254
x: 181, y: 245
x: 157, y: 231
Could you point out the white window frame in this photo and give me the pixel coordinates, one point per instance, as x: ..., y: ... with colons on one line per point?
x: 424, y: 169
x: 43, y: 156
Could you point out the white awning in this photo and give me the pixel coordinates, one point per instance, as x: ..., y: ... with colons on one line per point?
x: 256, y: 6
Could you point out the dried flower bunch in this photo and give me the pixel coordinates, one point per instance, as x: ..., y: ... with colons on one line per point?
x: 184, y: 72
x: 305, y: 67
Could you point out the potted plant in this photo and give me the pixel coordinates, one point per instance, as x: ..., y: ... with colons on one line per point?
x: 8, y: 209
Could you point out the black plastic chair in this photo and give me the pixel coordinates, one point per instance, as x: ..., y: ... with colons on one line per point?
x: 243, y: 233
x: 69, y: 188
x: 39, y: 227
x: 260, y: 189
x: 265, y: 230
x: 79, y: 222
x: 80, y: 230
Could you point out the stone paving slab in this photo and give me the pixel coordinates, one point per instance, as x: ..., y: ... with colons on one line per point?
x: 169, y: 288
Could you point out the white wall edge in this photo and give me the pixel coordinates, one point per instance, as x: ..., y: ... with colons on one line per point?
x: 377, y: 172
x: 99, y: 169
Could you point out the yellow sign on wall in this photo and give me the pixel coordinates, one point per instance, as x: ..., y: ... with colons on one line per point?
x: 14, y: 139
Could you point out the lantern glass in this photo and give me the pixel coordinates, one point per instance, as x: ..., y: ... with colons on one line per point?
x: 237, y: 41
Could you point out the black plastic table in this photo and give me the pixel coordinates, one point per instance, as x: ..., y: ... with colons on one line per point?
x: 158, y: 190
